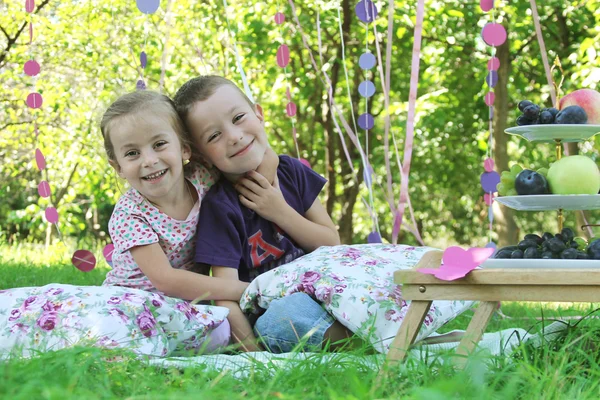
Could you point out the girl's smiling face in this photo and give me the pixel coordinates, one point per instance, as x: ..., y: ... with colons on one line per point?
x: 149, y: 155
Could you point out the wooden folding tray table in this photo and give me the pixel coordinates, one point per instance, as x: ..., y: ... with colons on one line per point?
x: 488, y: 286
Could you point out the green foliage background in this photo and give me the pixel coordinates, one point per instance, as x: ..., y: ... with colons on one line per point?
x: 89, y: 51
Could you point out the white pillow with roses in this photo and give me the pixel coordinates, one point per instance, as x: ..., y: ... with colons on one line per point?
x: 56, y: 316
x: 355, y: 284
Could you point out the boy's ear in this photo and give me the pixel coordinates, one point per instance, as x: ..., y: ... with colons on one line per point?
x: 259, y: 112
x: 116, y: 167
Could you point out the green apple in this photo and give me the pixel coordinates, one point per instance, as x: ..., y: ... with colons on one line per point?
x: 574, y: 175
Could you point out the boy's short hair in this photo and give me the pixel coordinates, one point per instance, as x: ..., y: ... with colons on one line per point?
x: 199, y: 89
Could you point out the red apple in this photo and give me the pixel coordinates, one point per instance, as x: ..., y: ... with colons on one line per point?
x: 588, y: 99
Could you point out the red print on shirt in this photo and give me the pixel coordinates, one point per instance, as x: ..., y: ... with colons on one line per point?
x: 256, y: 241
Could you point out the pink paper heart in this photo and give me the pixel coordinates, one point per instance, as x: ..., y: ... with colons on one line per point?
x: 456, y: 262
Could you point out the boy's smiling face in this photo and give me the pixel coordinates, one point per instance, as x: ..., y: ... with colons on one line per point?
x: 228, y: 132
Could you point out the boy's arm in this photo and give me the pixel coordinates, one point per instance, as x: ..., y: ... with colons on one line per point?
x: 310, y: 232
x: 241, y: 331
x: 180, y: 283
x: 268, y: 167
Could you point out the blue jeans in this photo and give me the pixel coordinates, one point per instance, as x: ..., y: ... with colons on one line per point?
x: 291, y: 320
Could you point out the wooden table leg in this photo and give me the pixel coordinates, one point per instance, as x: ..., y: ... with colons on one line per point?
x: 475, y: 330
x: 417, y: 310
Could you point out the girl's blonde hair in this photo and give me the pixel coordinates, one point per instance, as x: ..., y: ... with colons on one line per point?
x: 137, y: 102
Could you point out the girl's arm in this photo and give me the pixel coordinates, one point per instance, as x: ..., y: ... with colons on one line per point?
x: 241, y: 331
x: 180, y: 283
x: 313, y: 230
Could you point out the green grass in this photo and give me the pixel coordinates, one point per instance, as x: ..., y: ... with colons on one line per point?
x: 566, y: 368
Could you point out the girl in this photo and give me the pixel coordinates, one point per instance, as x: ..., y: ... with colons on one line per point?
x: 153, y: 225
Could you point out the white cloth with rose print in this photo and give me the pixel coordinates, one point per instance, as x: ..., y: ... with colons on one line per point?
x: 355, y: 284
x: 56, y: 316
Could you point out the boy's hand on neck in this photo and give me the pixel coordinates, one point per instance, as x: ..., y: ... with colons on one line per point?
x: 268, y: 167
x: 260, y: 196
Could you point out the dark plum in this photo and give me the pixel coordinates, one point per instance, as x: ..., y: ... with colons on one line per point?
x: 546, y: 117
x: 517, y: 254
x: 593, y: 249
x: 547, y: 255
x: 531, y: 112
x: 547, y: 236
x: 531, y: 252
x: 568, y: 254
x: 529, y: 182
x: 523, y: 120
x: 555, y: 245
x: 523, y: 104
x: 567, y: 234
x: 571, y: 115
x: 527, y: 243
x: 535, y: 237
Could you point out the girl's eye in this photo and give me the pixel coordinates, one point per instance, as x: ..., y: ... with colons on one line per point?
x: 131, y: 153
x: 213, y: 136
x: 160, y: 143
x: 238, y: 117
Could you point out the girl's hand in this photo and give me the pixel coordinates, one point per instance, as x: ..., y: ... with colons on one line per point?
x: 260, y: 196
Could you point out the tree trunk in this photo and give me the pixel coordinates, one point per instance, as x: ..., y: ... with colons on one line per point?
x: 505, y: 225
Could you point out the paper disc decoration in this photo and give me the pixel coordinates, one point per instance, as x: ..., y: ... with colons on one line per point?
x: 491, y: 79
x: 51, y: 215
x: 489, y: 181
x: 40, y: 160
x: 366, y: 11
x: 34, y: 100
x: 489, y: 98
x: 107, y: 252
x: 31, y: 68
x: 283, y: 55
x: 374, y: 237
x: 493, y: 64
x: 147, y: 6
x: 488, y: 165
x: 290, y: 109
x: 366, y: 89
x: 494, y: 34
x: 366, y: 121
x: 305, y: 162
x: 367, y: 61
x: 279, y: 18
x: 29, y: 5
x: 486, y: 5
x: 143, y: 59
x: 44, y: 189
x: 84, y: 260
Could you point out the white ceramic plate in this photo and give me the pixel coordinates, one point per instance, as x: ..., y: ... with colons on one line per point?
x: 545, y: 202
x: 550, y: 133
x: 535, y: 263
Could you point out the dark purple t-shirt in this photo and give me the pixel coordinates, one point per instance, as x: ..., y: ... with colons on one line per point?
x: 231, y: 235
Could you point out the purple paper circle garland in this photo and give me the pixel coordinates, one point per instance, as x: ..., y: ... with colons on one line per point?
x: 489, y: 181
x: 34, y: 100
x: 148, y: 6
x: 367, y: 61
x: 366, y: 121
x: 366, y: 11
x: 366, y: 88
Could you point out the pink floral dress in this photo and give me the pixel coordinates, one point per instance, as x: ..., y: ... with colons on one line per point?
x: 136, y: 222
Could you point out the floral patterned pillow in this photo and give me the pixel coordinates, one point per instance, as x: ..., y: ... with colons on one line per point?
x: 55, y: 316
x: 355, y: 284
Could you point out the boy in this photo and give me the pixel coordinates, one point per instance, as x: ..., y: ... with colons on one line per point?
x: 247, y: 225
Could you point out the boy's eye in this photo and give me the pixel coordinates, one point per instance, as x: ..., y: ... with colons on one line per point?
x: 131, y: 153
x: 238, y: 117
x: 213, y: 136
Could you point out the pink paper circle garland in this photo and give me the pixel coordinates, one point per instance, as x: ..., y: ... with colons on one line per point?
x: 282, y: 56
x: 493, y: 34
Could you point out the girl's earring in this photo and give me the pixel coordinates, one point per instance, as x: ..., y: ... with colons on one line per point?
x: 186, y: 162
